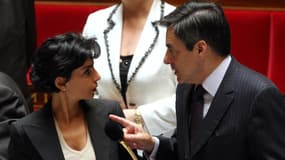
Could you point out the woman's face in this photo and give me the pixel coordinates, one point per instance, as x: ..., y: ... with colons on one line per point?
x: 83, y: 82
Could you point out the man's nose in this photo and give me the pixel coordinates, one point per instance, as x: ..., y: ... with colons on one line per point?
x: 167, y: 58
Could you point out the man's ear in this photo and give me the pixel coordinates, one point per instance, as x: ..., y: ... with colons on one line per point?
x: 200, y: 49
x: 60, y: 82
x: 201, y: 46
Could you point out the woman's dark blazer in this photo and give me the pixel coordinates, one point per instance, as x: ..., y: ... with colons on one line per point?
x: 35, y: 138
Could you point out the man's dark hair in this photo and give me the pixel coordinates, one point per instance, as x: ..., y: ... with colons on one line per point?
x: 194, y: 21
x: 59, y: 56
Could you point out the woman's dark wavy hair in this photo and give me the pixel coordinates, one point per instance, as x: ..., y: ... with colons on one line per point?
x: 194, y: 21
x: 59, y: 56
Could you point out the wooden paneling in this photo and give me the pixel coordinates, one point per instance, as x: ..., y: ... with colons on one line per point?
x: 225, y: 3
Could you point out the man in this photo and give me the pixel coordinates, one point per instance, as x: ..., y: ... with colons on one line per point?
x: 17, y: 40
x: 12, y: 106
x: 243, y: 112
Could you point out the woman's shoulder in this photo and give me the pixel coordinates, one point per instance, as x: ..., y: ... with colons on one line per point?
x: 33, y: 118
x: 103, y: 104
x: 102, y: 107
x: 96, y: 22
x: 169, y: 8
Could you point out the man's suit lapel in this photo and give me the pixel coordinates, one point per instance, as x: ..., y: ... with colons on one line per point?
x: 218, y: 108
x: 43, y: 135
x: 183, y: 110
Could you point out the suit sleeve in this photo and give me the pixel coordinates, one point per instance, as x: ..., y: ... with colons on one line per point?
x: 12, y: 107
x: 266, y: 130
x: 17, y: 147
x: 167, y: 148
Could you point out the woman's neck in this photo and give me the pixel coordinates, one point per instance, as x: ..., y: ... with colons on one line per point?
x: 65, y: 110
x: 130, y: 8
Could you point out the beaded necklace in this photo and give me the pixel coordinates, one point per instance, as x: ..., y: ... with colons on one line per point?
x: 148, y: 51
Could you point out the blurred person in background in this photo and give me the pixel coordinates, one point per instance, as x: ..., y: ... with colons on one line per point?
x: 131, y: 64
x: 12, y: 107
x: 17, y: 41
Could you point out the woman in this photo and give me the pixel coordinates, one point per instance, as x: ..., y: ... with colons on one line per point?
x: 71, y: 125
x: 133, y: 73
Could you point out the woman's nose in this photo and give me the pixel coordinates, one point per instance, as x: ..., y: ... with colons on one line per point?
x: 96, y: 76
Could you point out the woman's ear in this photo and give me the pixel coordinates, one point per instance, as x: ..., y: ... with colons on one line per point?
x: 60, y: 82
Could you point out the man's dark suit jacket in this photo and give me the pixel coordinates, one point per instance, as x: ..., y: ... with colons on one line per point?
x: 12, y: 106
x: 35, y: 136
x: 246, y: 121
x: 17, y: 40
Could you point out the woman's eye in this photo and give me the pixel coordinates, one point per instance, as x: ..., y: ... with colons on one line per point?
x: 87, y: 72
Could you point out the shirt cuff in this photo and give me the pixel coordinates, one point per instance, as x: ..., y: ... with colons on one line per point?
x: 154, y: 151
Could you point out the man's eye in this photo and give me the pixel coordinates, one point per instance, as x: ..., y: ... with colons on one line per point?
x: 171, y: 52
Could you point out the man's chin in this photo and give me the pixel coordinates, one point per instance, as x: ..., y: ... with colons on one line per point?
x: 179, y: 80
x: 182, y: 81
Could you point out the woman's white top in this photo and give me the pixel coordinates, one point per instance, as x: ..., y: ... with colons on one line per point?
x: 87, y: 153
